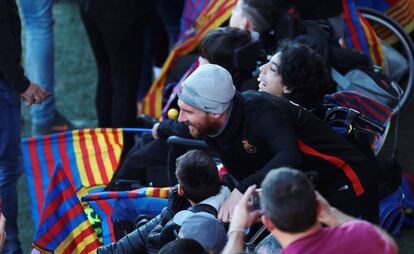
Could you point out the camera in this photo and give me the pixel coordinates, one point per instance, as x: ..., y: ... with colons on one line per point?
x: 255, y: 199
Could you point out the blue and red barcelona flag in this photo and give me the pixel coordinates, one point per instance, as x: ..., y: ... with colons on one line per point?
x: 89, y: 158
x: 63, y: 225
x: 102, y: 203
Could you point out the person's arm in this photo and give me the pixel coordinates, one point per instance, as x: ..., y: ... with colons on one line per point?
x: 243, y: 218
x: 332, y: 217
x: 170, y: 127
x: 10, y: 56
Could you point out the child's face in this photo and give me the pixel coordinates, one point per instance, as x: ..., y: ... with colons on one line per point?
x: 270, y: 79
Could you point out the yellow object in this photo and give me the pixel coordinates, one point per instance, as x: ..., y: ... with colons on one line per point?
x: 172, y: 113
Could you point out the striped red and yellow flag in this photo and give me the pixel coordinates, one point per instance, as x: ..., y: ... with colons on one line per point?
x: 401, y: 11
x: 211, y: 16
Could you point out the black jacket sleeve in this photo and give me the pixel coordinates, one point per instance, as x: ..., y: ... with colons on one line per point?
x: 274, y: 129
x: 10, y: 48
x: 135, y: 242
x: 171, y: 127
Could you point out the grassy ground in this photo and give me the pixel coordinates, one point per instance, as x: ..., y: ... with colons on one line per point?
x: 75, y: 88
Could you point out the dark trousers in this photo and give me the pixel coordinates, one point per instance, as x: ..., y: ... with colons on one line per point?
x: 142, y: 165
x: 118, y: 50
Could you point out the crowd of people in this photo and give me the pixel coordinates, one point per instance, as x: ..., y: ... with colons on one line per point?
x: 256, y: 100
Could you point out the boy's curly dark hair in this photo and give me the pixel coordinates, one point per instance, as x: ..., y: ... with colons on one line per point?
x: 303, y: 72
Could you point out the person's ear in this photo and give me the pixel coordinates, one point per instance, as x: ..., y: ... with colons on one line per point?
x: 180, y: 190
x: 319, y: 209
x: 214, y: 116
x: 268, y: 224
x: 247, y: 24
x: 286, y: 90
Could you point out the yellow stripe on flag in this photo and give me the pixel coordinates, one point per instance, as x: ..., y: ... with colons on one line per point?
x: 79, y: 158
x: 104, y: 155
x: 76, y: 232
x: 150, y: 192
x: 374, y: 46
x: 164, y: 192
x: 93, y: 157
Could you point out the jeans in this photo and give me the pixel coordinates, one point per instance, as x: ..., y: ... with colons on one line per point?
x: 39, y: 56
x: 10, y: 162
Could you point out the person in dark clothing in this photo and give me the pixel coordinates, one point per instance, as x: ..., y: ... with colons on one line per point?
x: 115, y: 32
x: 13, y: 84
x: 199, y: 190
x: 254, y: 132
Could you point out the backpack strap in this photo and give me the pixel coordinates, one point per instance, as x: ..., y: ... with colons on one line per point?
x: 340, y: 79
x: 204, y: 208
x: 391, y: 212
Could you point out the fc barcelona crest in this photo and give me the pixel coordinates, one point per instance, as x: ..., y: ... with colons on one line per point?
x: 248, y: 147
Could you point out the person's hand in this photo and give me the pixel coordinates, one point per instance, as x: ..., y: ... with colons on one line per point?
x: 325, y: 214
x: 154, y: 130
x: 2, y: 231
x: 34, y: 94
x: 329, y: 215
x: 243, y: 215
x: 176, y: 202
x: 226, y: 210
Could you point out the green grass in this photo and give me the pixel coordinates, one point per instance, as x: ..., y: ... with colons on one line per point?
x: 75, y: 92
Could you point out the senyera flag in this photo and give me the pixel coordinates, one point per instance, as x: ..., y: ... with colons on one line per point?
x: 199, y: 17
x: 89, y: 158
x: 63, y: 226
x: 401, y: 11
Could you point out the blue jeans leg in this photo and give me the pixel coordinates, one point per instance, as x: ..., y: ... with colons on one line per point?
x: 10, y: 162
x: 39, y: 56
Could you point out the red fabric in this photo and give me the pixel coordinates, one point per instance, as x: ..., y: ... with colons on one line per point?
x: 352, y: 237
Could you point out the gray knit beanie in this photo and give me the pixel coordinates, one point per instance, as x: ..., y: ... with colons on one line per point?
x: 209, y: 88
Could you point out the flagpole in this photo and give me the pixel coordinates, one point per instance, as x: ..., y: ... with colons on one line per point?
x: 136, y: 130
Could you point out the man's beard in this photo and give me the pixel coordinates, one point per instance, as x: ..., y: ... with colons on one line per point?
x: 197, y: 132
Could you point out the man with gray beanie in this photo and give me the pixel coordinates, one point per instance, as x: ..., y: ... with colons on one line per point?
x: 253, y: 132
x: 209, y: 89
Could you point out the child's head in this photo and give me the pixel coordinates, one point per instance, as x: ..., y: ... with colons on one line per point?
x: 234, y: 49
x: 295, y: 71
x: 197, y: 175
x: 183, y: 246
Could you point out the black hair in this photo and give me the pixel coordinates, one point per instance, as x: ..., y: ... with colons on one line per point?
x: 288, y: 200
x: 304, y: 73
x: 224, y: 46
x: 183, y: 246
x: 197, y: 173
x: 263, y: 13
